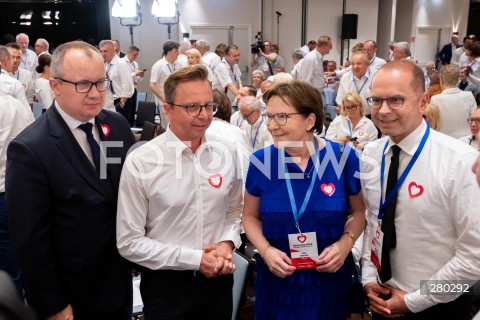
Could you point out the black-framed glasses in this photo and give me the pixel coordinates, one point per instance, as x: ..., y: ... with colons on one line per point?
x: 194, y: 109
x: 350, y: 108
x: 474, y: 120
x: 248, y: 115
x: 280, y: 118
x: 395, y: 102
x: 86, y: 86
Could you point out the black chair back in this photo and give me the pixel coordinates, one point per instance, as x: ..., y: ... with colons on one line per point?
x: 145, y: 112
x: 148, y: 131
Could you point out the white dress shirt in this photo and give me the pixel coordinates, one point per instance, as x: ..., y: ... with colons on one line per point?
x: 475, y: 74
x: 226, y: 74
x: 375, y: 64
x: 257, y: 135
x: 463, y: 60
x: 471, y: 141
x: 171, y: 205
x: 341, y: 127
x: 455, y: 108
x: 350, y: 83
x: 296, y: 69
x: 182, y: 59
x: 237, y: 120
x: 436, y: 228
x: 29, y: 60
x: 160, y: 72
x: 133, y: 67
x: 211, y: 59
x: 13, y: 88
x: 13, y: 119
x: 44, y: 93
x: 225, y: 130
x: 120, y: 75
x: 26, y: 79
x: 457, y: 53
x: 311, y: 70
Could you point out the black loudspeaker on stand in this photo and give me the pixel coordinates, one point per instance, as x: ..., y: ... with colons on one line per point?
x: 349, y: 26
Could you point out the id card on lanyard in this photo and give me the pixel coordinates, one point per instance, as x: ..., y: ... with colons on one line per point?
x: 377, y: 239
x: 303, y: 246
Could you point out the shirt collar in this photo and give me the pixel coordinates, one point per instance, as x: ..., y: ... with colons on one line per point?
x: 411, y: 142
x: 71, y: 122
x: 170, y: 136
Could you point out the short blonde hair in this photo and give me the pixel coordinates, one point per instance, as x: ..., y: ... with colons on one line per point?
x: 432, y: 113
x: 194, y: 52
x: 354, y: 98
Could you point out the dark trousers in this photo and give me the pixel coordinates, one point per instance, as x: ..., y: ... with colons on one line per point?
x: 462, y: 308
x: 8, y: 262
x: 184, y: 295
x: 133, y: 108
x: 126, y: 110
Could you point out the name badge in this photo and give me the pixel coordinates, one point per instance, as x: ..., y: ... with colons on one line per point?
x: 376, y: 253
x: 265, y: 67
x: 303, y: 250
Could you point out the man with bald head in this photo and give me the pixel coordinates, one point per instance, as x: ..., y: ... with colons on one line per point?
x: 422, y: 221
x: 29, y: 57
x: 68, y: 165
x: 445, y: 55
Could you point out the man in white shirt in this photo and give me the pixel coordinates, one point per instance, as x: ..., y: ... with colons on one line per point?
x: 182, y: 49
x: 228, y: 75
x: 179, y: 207
x: 29, y: 57
x: 434, y: 224
x: 211, y: 59
x: 121, y: 88
x: 137, y: 76
x: 401, y: 50
x: 24, y: 76
x: 311, y: 70
x: 9, y: 85
x: 161, y: 70
x: 256, y: 134
x: 13, y: 119
x: 236, y: 119
x: 264, y: 61
x: 41, y: 46
x: 459, y: 52
x: 308, y: 47
x: 358, y: 80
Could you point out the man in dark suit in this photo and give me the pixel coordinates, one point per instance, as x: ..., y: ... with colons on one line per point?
x: 445, y: 55
x: 62, y: 195
x: 116, y: 45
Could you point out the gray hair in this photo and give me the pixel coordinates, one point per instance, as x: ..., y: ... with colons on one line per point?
x: 4, y: 53
x: 44, y: 43
x: 297, y: 54
x: 22, y: 35
x: 251, y: 102
x: 184, y: 46
x: 404, y: 47
x: 204, y: 44
x: 106, y: 43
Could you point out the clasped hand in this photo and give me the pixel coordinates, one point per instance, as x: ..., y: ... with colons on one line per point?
x: 217, y: 259
x: 392, y: 307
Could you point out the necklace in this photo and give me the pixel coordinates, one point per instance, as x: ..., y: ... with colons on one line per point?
x: 310, y: 172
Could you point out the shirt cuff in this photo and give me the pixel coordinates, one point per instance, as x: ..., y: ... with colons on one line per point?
x: 417, y: 302
x: 189, y: 259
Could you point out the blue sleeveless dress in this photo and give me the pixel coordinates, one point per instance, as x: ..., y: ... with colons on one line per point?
x: 306, y: 294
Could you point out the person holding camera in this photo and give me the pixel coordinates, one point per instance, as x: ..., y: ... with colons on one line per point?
x: 262, y: 58
x: 352, y: 127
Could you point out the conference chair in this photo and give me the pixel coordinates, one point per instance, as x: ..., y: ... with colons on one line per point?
x: 146, y: 112
x: 239, y: 278
x: 148, y: 131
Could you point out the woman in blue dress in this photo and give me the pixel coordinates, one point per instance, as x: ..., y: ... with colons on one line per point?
x: 302, y: 185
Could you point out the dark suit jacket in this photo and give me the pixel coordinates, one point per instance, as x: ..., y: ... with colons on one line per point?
x: 474, y: 90
x: 445, y: 55
x: 63, y: 217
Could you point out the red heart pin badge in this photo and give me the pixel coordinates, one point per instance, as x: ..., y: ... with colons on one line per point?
x: 215, y: 180
x: 328, y: 189
x: 361, y: 133
x: 106, y: 129
x: 415, y: 190
x: 302, y: 238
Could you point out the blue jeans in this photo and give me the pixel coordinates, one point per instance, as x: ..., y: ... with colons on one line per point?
x: 8, y: 262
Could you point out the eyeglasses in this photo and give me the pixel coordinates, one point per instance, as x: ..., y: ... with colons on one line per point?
x: 394, y: 103
x: 86, y: 86
x: 350, y: 108
x: 280, y: 118
x: 248, y: 115
x: 474, y: 120
x: 194, y: 109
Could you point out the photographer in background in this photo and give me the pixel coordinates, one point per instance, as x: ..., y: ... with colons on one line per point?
x: 262, y: 58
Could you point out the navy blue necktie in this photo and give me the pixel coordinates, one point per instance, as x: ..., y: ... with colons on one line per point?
x: 94, y: 147
x: 388, y: 222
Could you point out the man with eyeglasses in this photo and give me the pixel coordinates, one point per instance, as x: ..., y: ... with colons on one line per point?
x: 474, y: 122
x: 62, y: 180
x: 179, y: 208
x: 256, y: 134
x: 422, y: 199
